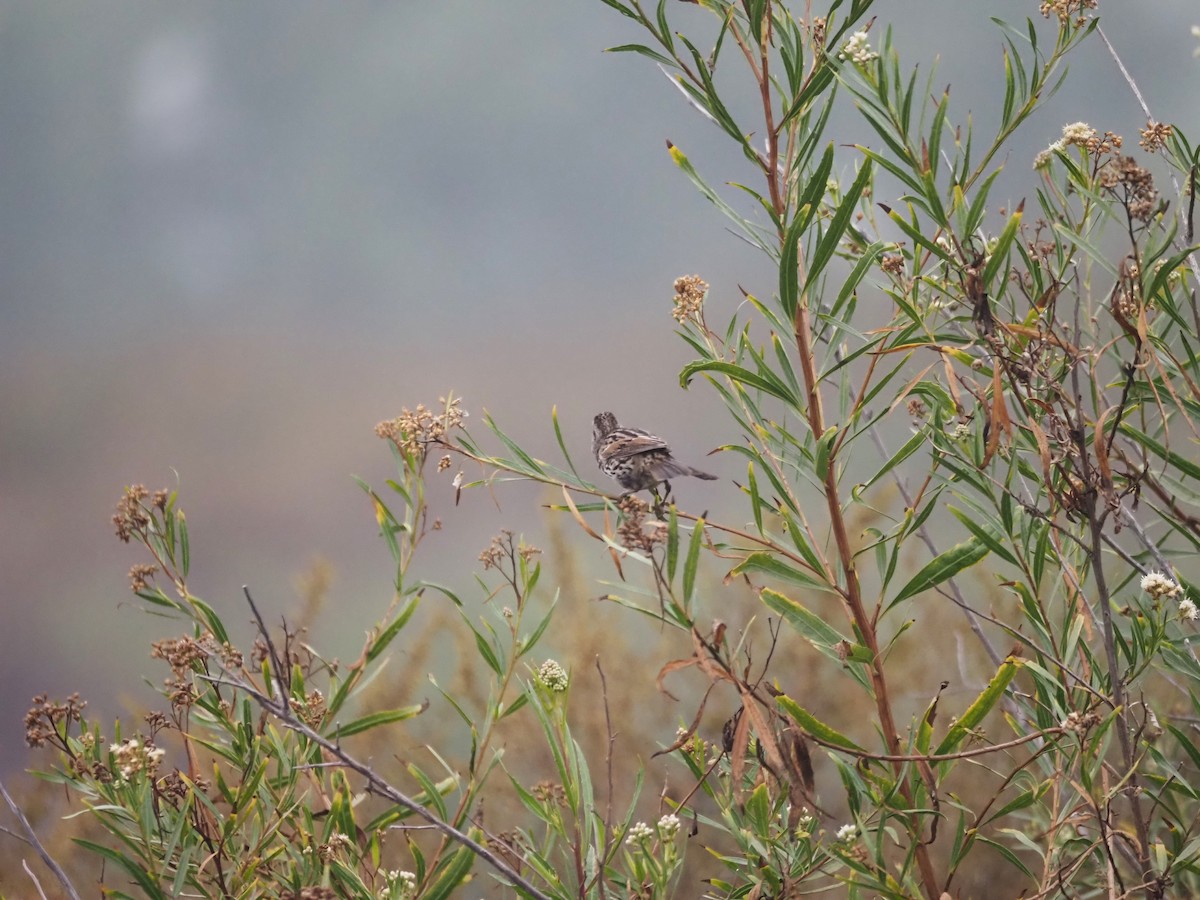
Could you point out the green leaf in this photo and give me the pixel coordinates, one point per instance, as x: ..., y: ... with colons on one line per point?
x: 814, y: 726
x: 672, y: 543
x: 388, y: 634
x: 943, y: 567
x: 1182, y: 463
x: 823, y: 636
x: 454, y: 871
x: 147, y: 882
x: 983, y: 704
x: 644, y: 51
x: 836, y: 228
x: 986, y: 535
x: 999, y: 255
x: 824, y: 448
x: 366, y: 723
x: 746, y: 227
x: 910, y: 447
x: 558, y: 436
x: 488, y: 654
x: 767, y: 382
x: 769, y: 564
x: 693, y: 560
x: 758, y: 811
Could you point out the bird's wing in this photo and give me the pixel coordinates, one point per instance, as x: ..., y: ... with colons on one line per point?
x: 626, y: 442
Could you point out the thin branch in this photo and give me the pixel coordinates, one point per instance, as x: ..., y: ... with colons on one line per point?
x: 1192, y: 260
x: 376, y: 784
x: 37, y: 845
x: 266, y: 635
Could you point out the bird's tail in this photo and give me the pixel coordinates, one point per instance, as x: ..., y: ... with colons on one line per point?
x: 670, y: 468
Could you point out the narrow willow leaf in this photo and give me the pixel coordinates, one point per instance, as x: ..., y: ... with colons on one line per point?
x: 1182, y: 463
x: 376, y: 719
x: 836, y: 229
x: 644, y: 51
x: 1094, y: 253
x: 910, y: 447
x: 147, y: 882
x: 746, y: 227
x: 388, y: 634
x: 986, y: 535
x: 823, y: 636
x: 824, y: 448
x: 789, y: 266
x: 558, y: 436
x: 454, y: 872
x: 672, y: 543
x: 756, y: 501
x: 693, y: 560
x: 758, y: 810
x: 769, y: 564
x: 999, y: 255
x: 943, y: 567
x: 983, y: 704
x: 810, y: 198
x: 814, y: 726
x: 766, y: 382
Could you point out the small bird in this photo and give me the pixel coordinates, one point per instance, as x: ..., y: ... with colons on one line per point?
x: 638, y: 460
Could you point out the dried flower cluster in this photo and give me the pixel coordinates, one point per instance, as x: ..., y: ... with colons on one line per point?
x: 312, y: 710
x: 44, y: 718
x: 817, y: 29
x: 1140, y: 195
x: 1080, y: 134
x: 1068, y: 10
x: 1155, y: 136
x: 550, y: 793
x: 633, y: 531
x: 183, y: 655
x: 140, y: 575
x: 413, y: 431
x: 504, y: 548
x: 1080, y: 723
x: 337, y: 841
x: 690, y: 291
x: 132, y: 516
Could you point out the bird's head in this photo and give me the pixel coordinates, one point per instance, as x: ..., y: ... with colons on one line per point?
x: 603, y: 424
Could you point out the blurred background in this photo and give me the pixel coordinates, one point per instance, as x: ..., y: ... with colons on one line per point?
x: 235, y: 236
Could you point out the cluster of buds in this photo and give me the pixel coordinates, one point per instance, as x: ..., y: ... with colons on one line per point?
x: 414, y: 430
x: 133, y: 516
x: 553, y: 676
x: 857, y: 49
x: 690, y: 291
x: 633, y: 532
x: 1068, y: 10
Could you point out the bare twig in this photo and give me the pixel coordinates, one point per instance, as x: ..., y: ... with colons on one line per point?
x: 1193, y: 262
x: 41, y: 850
